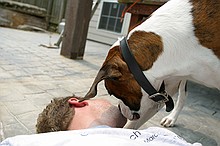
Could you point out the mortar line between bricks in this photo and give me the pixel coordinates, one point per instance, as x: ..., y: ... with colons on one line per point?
x: 16, y: 118
x: 2, y: 136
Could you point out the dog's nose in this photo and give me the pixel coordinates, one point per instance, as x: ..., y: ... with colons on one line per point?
x: 136, y: 116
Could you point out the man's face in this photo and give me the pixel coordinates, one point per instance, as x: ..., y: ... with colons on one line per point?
x: 92, y: 113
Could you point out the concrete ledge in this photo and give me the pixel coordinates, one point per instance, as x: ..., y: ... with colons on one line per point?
x: 14, y: 19
x: 24, y: 8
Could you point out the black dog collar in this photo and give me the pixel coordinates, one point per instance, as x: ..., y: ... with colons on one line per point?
x: 157, y: 96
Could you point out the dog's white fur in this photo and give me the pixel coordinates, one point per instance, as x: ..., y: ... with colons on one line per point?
x: 174, y: 23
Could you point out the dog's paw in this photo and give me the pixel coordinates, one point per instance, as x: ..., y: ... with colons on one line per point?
x: 168, y: 121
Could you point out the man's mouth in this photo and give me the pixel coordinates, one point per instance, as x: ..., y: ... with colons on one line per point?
x: 136, y: 116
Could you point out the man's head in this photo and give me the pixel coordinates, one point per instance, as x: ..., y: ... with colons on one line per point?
x: 56, y: 116
x: 70, y: 114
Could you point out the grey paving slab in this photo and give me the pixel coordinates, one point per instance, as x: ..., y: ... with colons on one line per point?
x: 31, y: 75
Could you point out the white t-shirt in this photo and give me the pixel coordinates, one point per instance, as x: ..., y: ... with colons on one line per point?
x: 153, y: 136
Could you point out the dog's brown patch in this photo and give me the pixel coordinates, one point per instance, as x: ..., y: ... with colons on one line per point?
x: 146, y: 47
x: 206, y: 19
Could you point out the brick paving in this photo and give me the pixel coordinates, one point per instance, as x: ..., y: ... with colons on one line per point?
x: 31, y: 75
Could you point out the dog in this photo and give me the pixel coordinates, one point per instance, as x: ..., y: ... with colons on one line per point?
x: 180, y: 41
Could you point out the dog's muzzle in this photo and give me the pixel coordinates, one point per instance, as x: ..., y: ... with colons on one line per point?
x: 136, y: 116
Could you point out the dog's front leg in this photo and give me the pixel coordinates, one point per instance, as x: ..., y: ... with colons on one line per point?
x: 170, y: 120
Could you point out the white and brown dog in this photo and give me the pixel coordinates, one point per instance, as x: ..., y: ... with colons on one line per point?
x: 179, y: 42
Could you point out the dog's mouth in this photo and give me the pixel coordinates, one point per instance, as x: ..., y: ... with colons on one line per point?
x: 135, y: 116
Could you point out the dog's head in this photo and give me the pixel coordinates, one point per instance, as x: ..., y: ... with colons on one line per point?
x: 119, y: 81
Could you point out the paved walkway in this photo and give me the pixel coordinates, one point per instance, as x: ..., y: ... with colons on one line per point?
x: 31, y: 75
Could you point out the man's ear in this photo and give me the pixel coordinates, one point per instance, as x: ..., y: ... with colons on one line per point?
x: 75, y: 102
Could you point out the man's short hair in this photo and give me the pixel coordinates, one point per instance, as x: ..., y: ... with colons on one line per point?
x: 56, y: 116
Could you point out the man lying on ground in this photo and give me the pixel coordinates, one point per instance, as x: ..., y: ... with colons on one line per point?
x: 69, y: 114
x: 91, y: 122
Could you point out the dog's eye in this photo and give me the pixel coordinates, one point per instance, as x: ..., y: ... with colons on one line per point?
x: 114, y: 78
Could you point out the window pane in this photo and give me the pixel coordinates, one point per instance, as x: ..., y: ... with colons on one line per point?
x: 111, y: 24
x: 103, y: 22
x: 105, y: 8
x: 118, y: 26
x: 114, y: 9
x: 121, y: 8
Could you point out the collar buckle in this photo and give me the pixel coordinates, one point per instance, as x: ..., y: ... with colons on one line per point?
x: 163, y: 97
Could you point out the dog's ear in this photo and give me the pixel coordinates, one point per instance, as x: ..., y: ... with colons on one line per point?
x: 106, y: 72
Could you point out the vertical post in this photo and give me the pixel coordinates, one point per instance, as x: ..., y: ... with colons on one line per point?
x: 49, y: 11
x: 78, y: 13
